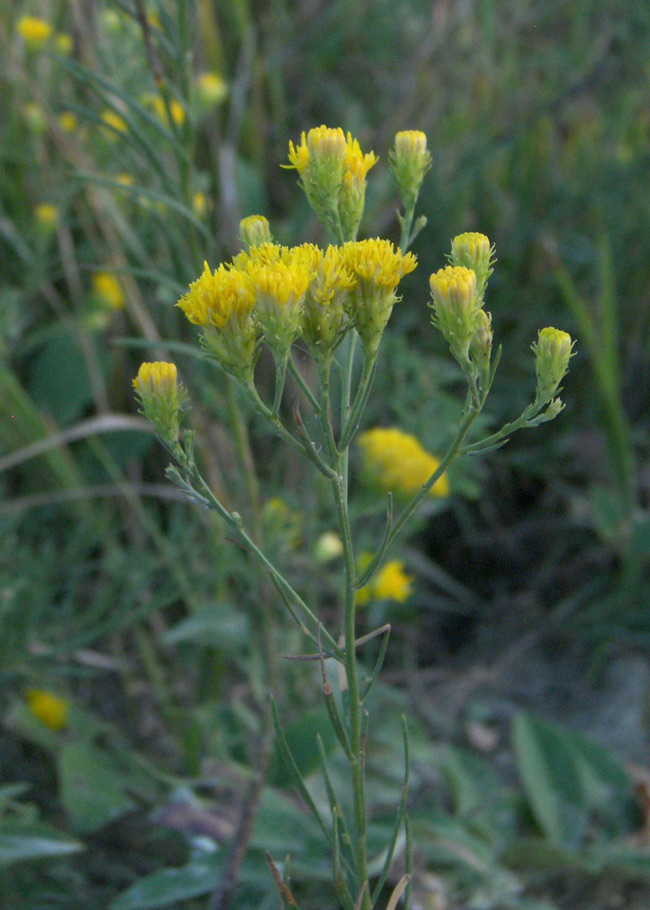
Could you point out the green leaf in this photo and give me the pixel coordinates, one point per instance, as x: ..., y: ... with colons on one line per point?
x: 59, y: 381
x: 92, y: 791
x: 218, y: 626
x: 548, y: 770
x: 301, y: 738
x: 29, y: 842
x: 167, y: 886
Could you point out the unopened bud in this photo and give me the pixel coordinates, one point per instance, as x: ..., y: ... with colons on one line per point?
x: 553, y: 350
x: 474, y: 251
x: 162, y: 397
x: 254, y: 231
x: 410, y: 160
x: 455, y: 305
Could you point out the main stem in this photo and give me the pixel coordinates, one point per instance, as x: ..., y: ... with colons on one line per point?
x: 339, y: 483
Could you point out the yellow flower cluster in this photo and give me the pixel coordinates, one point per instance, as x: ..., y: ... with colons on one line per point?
x: 396, y: 462
x: 49, y: 709
x: 390, y: 583
x: 333, y: 171
x: 277, y: 293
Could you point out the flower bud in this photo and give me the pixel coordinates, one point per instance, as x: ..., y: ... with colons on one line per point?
x: 47, y: 217
x: 409, y: 161
x: 473, y: 250
x: 162, y: 398
x: 553, y: 350
x: 456, y: 305
x: 480, y: 347
x: 327, y: 547
x: 48, y: 708
x: 254, y: 231
x: 211, y: 90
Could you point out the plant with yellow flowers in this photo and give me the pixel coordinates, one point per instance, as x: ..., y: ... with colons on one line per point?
x: 338, y: 301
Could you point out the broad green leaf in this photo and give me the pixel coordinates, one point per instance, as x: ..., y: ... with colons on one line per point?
x: 303, y: 745
x: 218, y: 626
x: 168, y: 886
x: 59, y: 380
x: 92, y: 791
x: 549, y: 774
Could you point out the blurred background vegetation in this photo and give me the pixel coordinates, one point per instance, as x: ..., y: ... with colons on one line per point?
x: 133, y: 139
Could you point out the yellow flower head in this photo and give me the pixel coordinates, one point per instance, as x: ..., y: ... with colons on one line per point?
x: 325, y: 316
x: 35, y: 117
x: 299, y: 157
x: 357, y: 164
x: 454, y: 286
x: 63, y: 43
x: 158, y: 106
x: 49, y: 709
x: 265, y: 253
x: 108, y: 288
x: 281, y: 283
x: 219, y: 296
x: 211, y: 89
x: 34, y: 32
x: 125, y: 179
x: 158, y: 378
x: 377, y: 263
x: 390, y: 583
x: 67, y: 121
x: 332, y: 276
x: 200, y: 204
x: 378, y: 268
x: 46, y: 215
x: 114, y: 122
x: 397, y: 463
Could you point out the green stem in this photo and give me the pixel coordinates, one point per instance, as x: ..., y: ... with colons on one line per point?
x: 297, y: 375
x: 360, y: 401
x: 339, y: 486
x: 355, y: 706
x: 406, y: 221
x: 308, y: 621
x: 280, y: 376
x: 307, y: 448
